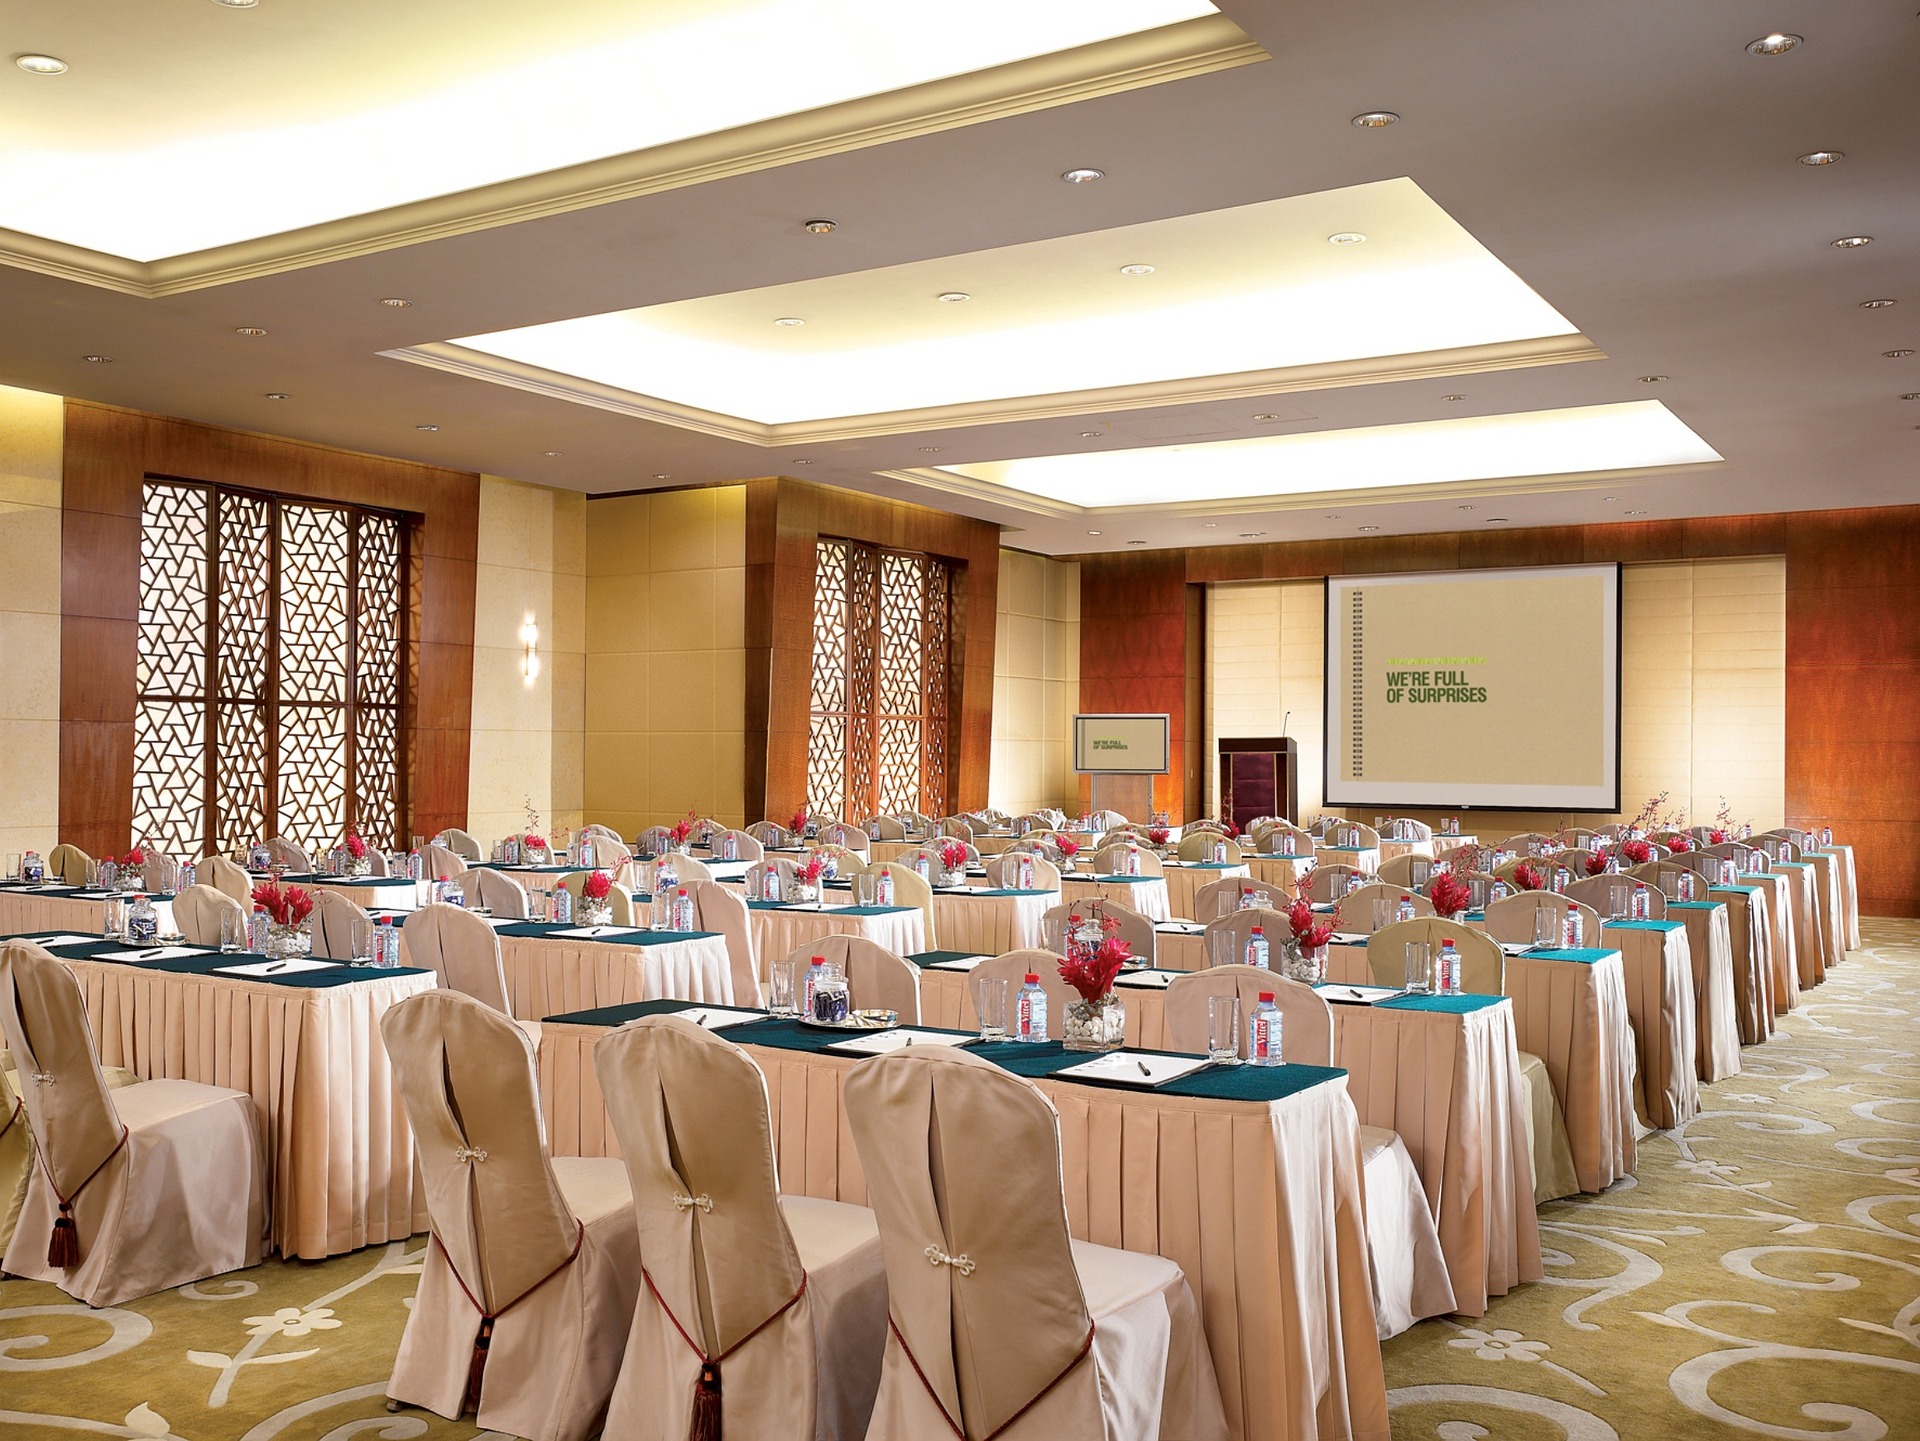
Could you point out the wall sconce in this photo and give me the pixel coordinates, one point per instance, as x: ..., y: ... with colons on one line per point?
x: 530, y: 653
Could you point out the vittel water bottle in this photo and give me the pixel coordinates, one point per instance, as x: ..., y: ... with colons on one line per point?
x: 1257, y: 948
x: 1263, y: 1033
x: 1728, y: 874
x: 1642, y: 903
x: 1447, y: 971
x: 1686, y: 885
x: 770, y: 884
x: 1030, y: 1012
x: 922, y: 865
x: 184, y: 882
x: 816, y: 968
x: 883, y: 889
x: 1576, y: 929
x: 414, y: 870
x: 1283, y: 843
x: 1026, y: 873
x: 386, y: 945
x: 873, y: 829
x: 682, y: 910
x: 1501, y: 890
x: 1404, y: 910
x: 1220, y: 853
x: 561, y: 912
x: 257, y: 930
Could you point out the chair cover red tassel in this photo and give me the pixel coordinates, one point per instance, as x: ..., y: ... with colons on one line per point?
x: 706, y: 1406
x: 477, y: 1366
x: 63, y: 1246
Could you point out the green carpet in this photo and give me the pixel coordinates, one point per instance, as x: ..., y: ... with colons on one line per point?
x: 1759, y: 1276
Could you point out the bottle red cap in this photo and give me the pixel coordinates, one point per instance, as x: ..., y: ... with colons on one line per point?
x: 1258, y: 931
x: 1032, y: 979
x: 818, y: 961
x: 1265, y: 996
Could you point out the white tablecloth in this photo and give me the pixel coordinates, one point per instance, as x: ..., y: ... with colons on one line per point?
x: 1145, y: 894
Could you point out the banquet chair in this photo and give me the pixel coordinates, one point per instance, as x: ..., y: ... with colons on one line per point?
x: 1531, y: 844
x: 1012, y: 1331
x: 225, y: 876
x: 1014, y: 967
x: 443, y: 863
x: 850, y: 837
x: 723, y: 911
x: 955, y: 826
x: 609, y: 853
x: 1110, y: 860
x: 1510, y: 921
x: 757, y: 873
x: 787, y: 1293
x: 340, y: 929
x: 1600, y: 893
x: 842, y: 861
x: 1409, y: 872
x: 460, y: 843
x: 1802, y: 840
x: 283, y: 852
x: 70, y: 864
x: 1356, y: 907
x: 889, y: 828
x: 1574, y: 858
x: 1483, y: 972
x: 1104, y: 821
x: 1414, y: 830
x: 910, y: 890
x: 1745, y: 858
x: 160, y: 876
x: 1033, y: 821
x: 685, y: 869
x: 1198, y: 846
x: 1205, y: 823
x: 498, y: 892
x: 1130, y: 926
x: 197, y: 911
x: 1003, y: 872
x: 1269, y: 842
x: 1328, y: 883
x: 876, y: 977
x: 1236, y: 929
x: 1581, y: 837
x: 1479, y: 883
x: 598, y: 832
x: 748, y: 847
x: 1222, y: 897
x: 1410, y: 1279
x: 938, y: 871
x: 654, y: 841
x: 148, y: 1187
x: 770, y: 834
x: 464, y: 954
x: 528, y: 1285
x: 619, y: 899
x: 377, y: 863
x: 918, y: 822
x: 16, y: 1138
x: 1366, y: 837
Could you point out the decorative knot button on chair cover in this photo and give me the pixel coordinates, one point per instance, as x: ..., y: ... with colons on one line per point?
x: 528, y: 1285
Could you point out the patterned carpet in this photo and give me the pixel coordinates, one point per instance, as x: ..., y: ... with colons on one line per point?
x: 1760, y: 1276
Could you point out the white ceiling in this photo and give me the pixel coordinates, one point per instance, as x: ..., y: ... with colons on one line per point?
x: 1635, y: 169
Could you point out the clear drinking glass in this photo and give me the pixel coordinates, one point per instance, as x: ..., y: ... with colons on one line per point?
x: 990, y: 1005
x: 1546, y: 927
x: 1419, y: 967
x: 13, y: 865
x: 1223, y: 1030
x: 1223, y: 948
x: 233, y: 930
x: 780, y: 993
x: 113, y: 918
x: 863, y: 887
x: 1617, y: 903
x: 1382, y: 913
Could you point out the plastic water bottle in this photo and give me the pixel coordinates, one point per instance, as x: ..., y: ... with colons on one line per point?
x: 1642, y: 902
x: 1263, y: 1033
x: 184, y: 879
x: 257, y: 931
x: 1447, y: 974
x: 883, y: 889
x: 1576, y: 929
x: 142, y: 922
x: 1686, y: 885
x: 1030, y: 1011
x: 873, y: 829
x: 682, y: 910
x: 1026, y: 873
x: 1404, y: 911
x: 769, y: 883
x: 922, y: 865
x: 1283, y: 843
x: 1501, y: 890
x: 560, y: 910
x: 386, y: 945
x: 816, y: 968
x: 1219, y: 853
x: 1257, y: 948
x: 414, y: 870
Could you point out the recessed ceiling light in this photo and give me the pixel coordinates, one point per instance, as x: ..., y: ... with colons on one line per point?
x: 1896, y: 354
x: 1089, y: 435
x: 1852, y: 242
x: 1136, y: 542
x: 1369, y: 527
x: 41, y: 64
x: 1346, y: 237
x: 1875, y: 304
x: 1778, y: 43
x: 1266, y: 415
x: 1911, y: 395
x: 1082, y: 176
x: 276, y: 395
x: 802, y: 460
x: 1823, y: 157
x: 1636, y: 512
x: 1651, y: 379
x: 1209, y: 525
x: 98, y: 359
x: 237, y: 4
x: 929, y: 450
x: 1453, y: 397
x: 1496, y: 520
x: 952, y: 297
x: 1609, y: 497
x: 394, y: 302
x: 550, y: 454
x: 248, y: 330
x: 1136, y: 270
x: 1251, y: 534
x: 426, y: 427
x: 820, y: 227
x: 790, y: 321
x: 1464, y: 507
x: 662, y: 475
x: 1375, y: 119
x: 1093, y: 532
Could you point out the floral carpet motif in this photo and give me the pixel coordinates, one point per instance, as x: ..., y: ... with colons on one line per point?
x: 1758, y: 1277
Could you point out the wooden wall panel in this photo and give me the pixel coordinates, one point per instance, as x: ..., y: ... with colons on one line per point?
x: 785, y: 520
x: 109, y: 453
x: 1853, y: 644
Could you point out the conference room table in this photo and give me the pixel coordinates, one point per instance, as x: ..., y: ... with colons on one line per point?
x: 1441, y: 1071
x: 1750, y: 932
x: 1364, y: 859
x: 370, y: 893
x: 305, y: 1045
x: 1775, y: 892
x: 1186, y: 879
x: 1657, y: 965
x: 1145, y: 894
x: 55, y: 906
x: 1828, y: 891
x: 1809, y: 920
x: 1716, y: 1051
x: 1249, y: 1178
x: 1848, y: 883
x: 779, y: 928
x: 990, y: 920
x: 1283, y: 873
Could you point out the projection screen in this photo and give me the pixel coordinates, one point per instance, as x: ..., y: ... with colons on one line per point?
x: 1488, y: 688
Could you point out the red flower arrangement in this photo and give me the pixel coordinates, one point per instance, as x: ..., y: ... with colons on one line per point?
x: 1527, y: 878
x: 1233, y: 831
x: 1679, y: 844
x: 356, y: 846
x: 134, y: 857
x: 953, y: 853
x: 1310, y: 932
x: 1597, y: 864
x: 534, y: 843
x: 1636, y: 851
x: 596, y: 887
x: 1159, y: 835
x: 798, y: 825
x: 1450, y: 895
x: 812, y: 870
x: 1090, y: 970
x: 1716, y: 837
x: 681, y: 829
x: 286, y: 906
x: 1067, y: 846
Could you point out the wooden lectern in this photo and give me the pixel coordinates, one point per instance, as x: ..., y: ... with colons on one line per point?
x: 1259, y: 777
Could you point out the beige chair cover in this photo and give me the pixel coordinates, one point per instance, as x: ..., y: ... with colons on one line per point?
x: 1662, y: 873
x: 1356, y: 907
x: 1198, y: 846
x: 70, y: 864
x: 442, y: 863
x: 852, y: 837
x: 610, y: 853
x: 1269, y: 839
x: 341, y: 930
x: 1410, y: 1280
x: 654, y: 840
x: 196, y: 914
x: 1582, y: 837
x: 1222, y: 897
x: 160, y: 876
x: 956, y: 826
x: 1239, y: 925
x: 16, y: 1139
x: 377, y: 864
x: 1014, y: 1331
x: 910, y: 890
x: 1329, y: 882
x: 1574, y: 858
x: 686, y: 871
x: 789, y: 1293
x: 460, y: 843
x: 891, y: 828
x: 1596, y: 893
x: 163, y: 1182
x: 756, y: 880
x: 464, y: 953
x: 533, y: 1269
x: 1111, y: 860
x: 600, y: 832
x: 499, y: 893
x: 1483, y: 966
x: 716, y: 908
x: 1369, y: 838
x: 1748, y: 860
x: 225, y: 875
x: 770, y: 833
x: 843, y: 860
x: 938, y: 872
x: 1130, y: 926
x: 877, y: 978
x: 750, y: 848
x: 1003, y: 871
x: 1402, y: 871
x: 1014, y: 967
x: 1510, y: 920
x: 283, y: 852
x: 1416, y: 830
x: 1106, y: 820
x: 1531, y: 844
x: 619, y: 899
